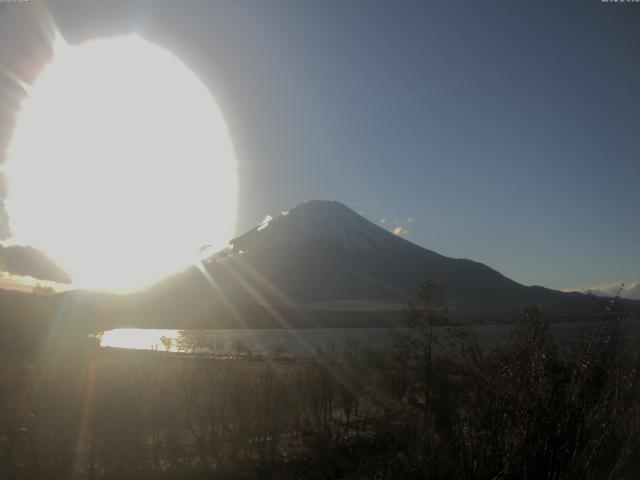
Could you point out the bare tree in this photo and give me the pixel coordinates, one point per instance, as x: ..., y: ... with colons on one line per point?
x: 424, y: 317
x: 167, y: 342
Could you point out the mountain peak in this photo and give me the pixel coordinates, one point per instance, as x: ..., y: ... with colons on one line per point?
x: 318, y: 220
x: 317, y: 204
x: 325, y: 210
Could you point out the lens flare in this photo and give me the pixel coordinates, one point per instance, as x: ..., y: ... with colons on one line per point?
x: 120, y: 165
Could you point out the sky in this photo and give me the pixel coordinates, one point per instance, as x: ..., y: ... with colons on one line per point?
x: 504, y: 132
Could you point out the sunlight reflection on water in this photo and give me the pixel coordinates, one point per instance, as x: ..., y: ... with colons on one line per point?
x: 137, y: 338
x: 308, y: 341
x: 258, y: 341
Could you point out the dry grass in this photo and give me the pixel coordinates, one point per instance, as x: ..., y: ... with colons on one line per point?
x: 525, y: 409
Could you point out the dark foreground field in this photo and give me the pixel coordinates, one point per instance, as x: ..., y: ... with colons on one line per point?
x: 434, y: 406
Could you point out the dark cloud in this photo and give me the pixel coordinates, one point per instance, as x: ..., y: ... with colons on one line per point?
x: 25, y: 260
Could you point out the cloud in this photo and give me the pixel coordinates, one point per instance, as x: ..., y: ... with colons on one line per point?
x: 383, y: 221
x: 5, y: 232
x: 265, y: 222
x: 401, y: 232
x: 630, y: 290
x: 27, y: 261
x: 408, y: 220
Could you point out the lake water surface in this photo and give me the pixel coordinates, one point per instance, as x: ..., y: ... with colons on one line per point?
x: 308, y: 341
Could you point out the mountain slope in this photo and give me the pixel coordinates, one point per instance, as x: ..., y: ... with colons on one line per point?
x: 318, y: 265
x: 323, y: 250
x: 321, y: 263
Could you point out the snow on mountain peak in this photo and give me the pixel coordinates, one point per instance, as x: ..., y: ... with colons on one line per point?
x: 317, y: 219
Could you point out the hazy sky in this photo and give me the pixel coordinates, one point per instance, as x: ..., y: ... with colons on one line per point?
x: 508, y: 131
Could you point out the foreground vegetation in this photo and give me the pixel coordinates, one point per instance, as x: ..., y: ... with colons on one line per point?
x: 435, y: 406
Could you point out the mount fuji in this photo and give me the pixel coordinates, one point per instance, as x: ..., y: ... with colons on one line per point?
x: 322, y: 264
x: 319, y: 264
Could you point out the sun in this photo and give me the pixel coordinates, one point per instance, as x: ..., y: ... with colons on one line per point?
x: 120, y: 165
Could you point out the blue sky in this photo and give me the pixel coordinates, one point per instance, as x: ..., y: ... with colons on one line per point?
x: 508, y: 131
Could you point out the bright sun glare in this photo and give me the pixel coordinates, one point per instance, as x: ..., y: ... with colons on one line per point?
x: 120, y: 165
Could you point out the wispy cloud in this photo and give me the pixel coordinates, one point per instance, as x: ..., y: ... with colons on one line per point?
x: 265, y: 222
x: 396, y: 226
x: 629, y: 290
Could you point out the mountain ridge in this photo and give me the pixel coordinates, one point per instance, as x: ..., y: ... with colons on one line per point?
x: 322, y: 251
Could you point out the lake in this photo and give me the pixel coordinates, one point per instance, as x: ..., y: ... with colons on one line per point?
x: 259, y: 341
x: 308, y: 341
